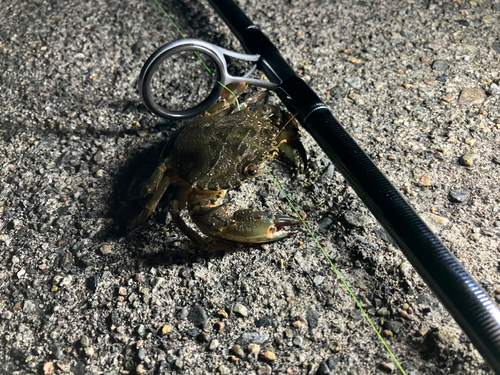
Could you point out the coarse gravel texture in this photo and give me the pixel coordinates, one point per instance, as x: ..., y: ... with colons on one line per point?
x: 416, y: 83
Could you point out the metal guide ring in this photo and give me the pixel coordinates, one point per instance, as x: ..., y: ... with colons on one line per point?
x: 221, y: 76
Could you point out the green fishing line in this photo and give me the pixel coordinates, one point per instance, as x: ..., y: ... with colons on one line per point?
x: 336, y: 271
x: 197, y: 54
x: 307, y: 227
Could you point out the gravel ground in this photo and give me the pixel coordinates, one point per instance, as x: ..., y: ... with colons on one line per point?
x: 415, y: 82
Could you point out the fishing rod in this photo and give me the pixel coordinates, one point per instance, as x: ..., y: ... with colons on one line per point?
x: 470, y: 306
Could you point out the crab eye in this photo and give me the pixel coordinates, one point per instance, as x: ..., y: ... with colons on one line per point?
x: 251, y: 170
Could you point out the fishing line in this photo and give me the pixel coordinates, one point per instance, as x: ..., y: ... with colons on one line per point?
x: 305, y: 224
x: 336, y: 271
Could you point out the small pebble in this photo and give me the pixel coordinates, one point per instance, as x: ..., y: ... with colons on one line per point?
x: 404, y: 314
x: 98, y: 157
x: 48, y: 368
x: 489, y: 232
x: 253, y: 348
x: 89, y: 351
x: 435, y: 222
x: 29, y: 307
x: 393, y: 326
x: 99, y: 173
x: 387, y: 333
x: 326, y: 177
x: 85, y: 341
x: 443, y: 78
x: 312, y: 318
x: 141, y: 329
x: 223, y: 370
x: 223, y: 313
x: 435, y: 46
x: 238, y: 351
x: 467, y: 159
x: 166, y: 329
x: 213, y: 345
x: 354, y: 82
x: 66, y: 280
x: 263, y: 322
x: 288, y: 290
x: 297, y: 341
x: 440, y: 65
x: 358, y: 219
x: 387, y: 367
x: 459, y: 195
x: 323, y: 369
x: 462, y: 22
x: 421, y: 113
x: 105, y: 250
x: 421, y: 332
x: 158, y: 281
x: 252, y: 337
x: 140, y: 369
x: 288, y: 333
x: 198, y: 316
x: 240, y: 309
x: 425, y: 181
x: 382, y: 311
x: 471, y: 96
x: 318, y: 280
x: 268, y: 356
x: 264, y: 370
x: 297, y: 324
x: 405, y: 268
x: 324, y: 223
x: 353, y: 60
x: 494, y: 89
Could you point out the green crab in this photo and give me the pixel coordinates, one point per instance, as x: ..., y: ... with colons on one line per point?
x: 214, y: 153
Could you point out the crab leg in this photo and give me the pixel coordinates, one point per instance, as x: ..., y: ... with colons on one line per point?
x: 177, y: 205
x: 152, y: 184
x: 227, y: 99
x: 290, y: 144
x: 162, y: 187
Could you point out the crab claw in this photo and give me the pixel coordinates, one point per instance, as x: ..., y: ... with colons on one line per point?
x: 280, y: 222
x: 252, y: 226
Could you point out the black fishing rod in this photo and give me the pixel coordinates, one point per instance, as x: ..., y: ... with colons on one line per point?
x: 469, y: 305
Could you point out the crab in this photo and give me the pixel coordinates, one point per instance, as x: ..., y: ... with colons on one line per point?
x: 214, y: 153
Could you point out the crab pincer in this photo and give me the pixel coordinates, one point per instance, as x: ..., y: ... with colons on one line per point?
x: 250, y: 226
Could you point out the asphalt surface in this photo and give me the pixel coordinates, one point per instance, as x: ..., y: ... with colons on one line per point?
x: 415, y: 83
